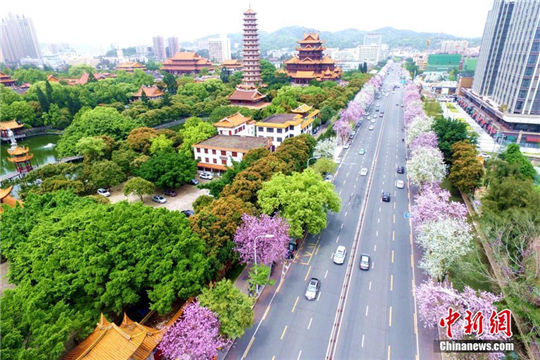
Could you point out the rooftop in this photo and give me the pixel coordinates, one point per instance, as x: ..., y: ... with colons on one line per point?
x: 234, y: 142
x: 11, y: 124
x: 232, y: 120
x: 280, y: 118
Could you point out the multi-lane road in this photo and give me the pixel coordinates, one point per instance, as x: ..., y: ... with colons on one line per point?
x: 358, y: 314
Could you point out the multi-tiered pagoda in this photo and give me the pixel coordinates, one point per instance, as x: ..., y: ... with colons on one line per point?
x: 21, y: 157
x: 247, y: 93
x: 311, y: 63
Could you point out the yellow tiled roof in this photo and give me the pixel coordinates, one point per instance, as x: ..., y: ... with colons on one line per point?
x: 232, y: 121
x: 11, y: 124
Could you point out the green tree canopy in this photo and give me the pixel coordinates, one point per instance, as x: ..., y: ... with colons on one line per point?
x: 139, y: 187
x: 303, y: 199
x: 91, y: 147
x: 448, y: 132
x: 72, y: 258
x: 232, y: 307
x: 161, y: 143
x: 103, y: 174
x: 513, y: 155
x: 168, y: 169
x: 195, y: 130
x: 467, y: 169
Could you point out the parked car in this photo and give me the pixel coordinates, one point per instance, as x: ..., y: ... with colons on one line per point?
x: 312, y: 289
x: 159, y: 199
x: 194, y: 182
x: 400, y: 184
x: 363, y: 172
x: 188, y: 213
x: 169, y: 192
x: 365, y: 262
x: 347, y: 145
x: 315, y: 130
x: 371, y: 127
x: 362, y: 151
x: 339, y: 255
x: 206, y: 175
x: 351, y: 136
x: 104, y: 192
x: 385, y: 196
x: 400, y: 170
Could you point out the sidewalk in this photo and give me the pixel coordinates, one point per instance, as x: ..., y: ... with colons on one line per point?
x: 259, y: 309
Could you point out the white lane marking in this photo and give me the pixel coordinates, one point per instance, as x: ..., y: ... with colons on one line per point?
x: 337, y: 239
x: 378, y: 220
x: 319, y: 296
x: 373, y: 265
x: 326, y: 274
x: 376, y: 233
x: 309, y: 325
x: 299, y: 354
x: 370, y: 285
x: 362, y: 340
x: 367, y: 309
x: 375, y: 247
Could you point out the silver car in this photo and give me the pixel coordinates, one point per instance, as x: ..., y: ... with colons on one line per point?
x: 365, y: 262
x: 312, y: 289
x: 339, y: 255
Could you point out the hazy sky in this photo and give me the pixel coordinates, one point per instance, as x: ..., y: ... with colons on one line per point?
x: 134, y: 22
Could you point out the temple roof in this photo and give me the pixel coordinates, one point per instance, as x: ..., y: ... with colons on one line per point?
x: 128, y: 341
x: 310, y: 38
x: 246, y: 95
x: 19, y: 150
x: 232, y: 63
x: 130, y: 65
x: 249, y: 11
x: 302, y: 109
x: 303, y: 75
x: 5, y: 192
x: 232, y: 121
x: 11, y: 124
x: 149, y: 91
x: 52, y: 78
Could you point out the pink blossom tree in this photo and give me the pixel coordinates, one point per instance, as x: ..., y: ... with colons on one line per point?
x: 342, y: 129
x: 434, y: 300
x: 269, y: 249
x: 427, y: 139
x: 194, y: 336
x: 432, y: 204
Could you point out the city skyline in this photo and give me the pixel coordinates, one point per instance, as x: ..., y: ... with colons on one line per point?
x: 132, y: 28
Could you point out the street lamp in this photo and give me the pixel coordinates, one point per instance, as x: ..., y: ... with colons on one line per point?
x: 266, y: 236
x: 311, y: 158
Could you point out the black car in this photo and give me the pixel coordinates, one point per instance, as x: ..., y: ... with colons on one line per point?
x: 315, y: 130
x: 400, y: 170
x: 169, y: 192
x: 188, y: 213
x: 386, y: 196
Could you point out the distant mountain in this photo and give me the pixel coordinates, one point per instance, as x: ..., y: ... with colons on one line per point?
x: 288, y: 36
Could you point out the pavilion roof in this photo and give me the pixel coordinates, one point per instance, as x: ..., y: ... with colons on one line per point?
x: 5, y: 192
x: 130, y: 64
x: 149, y: 91
x: 232, y: 121
x: 302, y: 109
x: 128, y: 341
x: 246, y: 95
x: 52, y: 78
x: 11, y: 124
x: 19, y: 150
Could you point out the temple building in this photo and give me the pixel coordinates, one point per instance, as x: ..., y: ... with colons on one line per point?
x: 12, y: 125
x: 236, y: 124
x: 6, y: 80
x: 247, y: 93
x: 129, y: 341
x: 279, y: 127
x: 186, y: 63
x: 6, y: 198
x: 85, y: 77
x: 52, y: 79
x: 151, y: 92
x: 311, y: 63
x: 130, y: 66
x: 21, y: 157
x: 232, y: 65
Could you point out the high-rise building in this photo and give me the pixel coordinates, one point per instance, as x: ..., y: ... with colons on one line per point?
x: 247, y: 93
x: 508, y: 67
x: 219, y: 49
x: 173, y: 46
x: 18, y: 39
x: 373, y: 39
x: 454, y: 46
x: 159, y: 48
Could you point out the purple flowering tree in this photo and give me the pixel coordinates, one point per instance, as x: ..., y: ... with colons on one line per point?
x: 425, y: 139
x: 432, y: 204
x: 269, y: 250
x: 342, y: 129
x: 194, y: 336
x: 434, y: 300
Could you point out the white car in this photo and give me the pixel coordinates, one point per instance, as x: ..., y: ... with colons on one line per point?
x: 159, y: 199
x: 400, y: 184
x: 339, y: 255
x: 346, y: 146
x: 206, y: 175
x: 363, y: 172
x: 371, y: 127
x: 103, y: 192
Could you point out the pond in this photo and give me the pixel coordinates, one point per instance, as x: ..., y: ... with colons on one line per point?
x: 43, y: 148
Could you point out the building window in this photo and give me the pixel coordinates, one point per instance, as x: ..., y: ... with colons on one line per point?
x: 206, y: 151
x: 279, y: 131
x: 261, y: 128
x: 213, y: 152
x: 291, y: 127
x: 270, y: 130
x: 279, y: 139
x: 223, y: 153
x: 206, y: 160
x: 230, y: 132
x: 234, y: 154
x: 223, y: 162
x: 215, y: 161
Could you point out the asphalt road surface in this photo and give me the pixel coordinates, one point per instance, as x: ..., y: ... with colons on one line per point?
x: 358, y: 314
